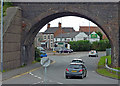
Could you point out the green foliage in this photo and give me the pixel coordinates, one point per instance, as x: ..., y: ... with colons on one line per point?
x: 37, y: 55
x: 100, y: 34
x: 101, y: 62
x: 103, y: 71
x: 5, y: 6
x: 102, y: 45
x: 82, y: 45
x: 38, y: 59
x: 85, y: 45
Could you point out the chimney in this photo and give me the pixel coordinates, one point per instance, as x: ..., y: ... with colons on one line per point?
x: 79, y: 28
x: 48, y: 26
x: 59, y: 25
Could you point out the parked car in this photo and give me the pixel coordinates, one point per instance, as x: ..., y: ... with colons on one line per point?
x: 57, y: 49
x: 77, y: 61
x: 93, y: 53
x: 65, y: 50
x: 41, y: 48
x: 76, y: 70
x: 43, y: 54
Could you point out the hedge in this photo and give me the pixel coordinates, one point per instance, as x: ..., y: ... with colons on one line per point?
x: 85, y: 45
x: 37, y: 55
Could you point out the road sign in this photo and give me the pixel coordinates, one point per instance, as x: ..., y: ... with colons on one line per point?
x: 45, y: 61
x: 93, y: 35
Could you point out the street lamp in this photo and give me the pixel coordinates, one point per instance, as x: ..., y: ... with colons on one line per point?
x: 1, y: 35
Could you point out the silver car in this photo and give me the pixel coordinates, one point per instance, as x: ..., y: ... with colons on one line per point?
x: 76, y: 70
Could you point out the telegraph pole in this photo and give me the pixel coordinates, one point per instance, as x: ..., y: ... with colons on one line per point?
x: 1, y: 35
x: 89, y: 33
x: 89, y: 29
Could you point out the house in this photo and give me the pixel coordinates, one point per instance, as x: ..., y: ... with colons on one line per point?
x: 51, y: 32
x: 63, y: 40
x: 94, y: 37
x: 91, y: 29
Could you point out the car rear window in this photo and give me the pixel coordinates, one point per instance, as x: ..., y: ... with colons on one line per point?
x: 75, y: 66
x: 77, y: 61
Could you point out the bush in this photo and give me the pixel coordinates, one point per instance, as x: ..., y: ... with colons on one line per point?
x: 38, y: 59
x: 82, y: 45
x: 37, y: 55
x: 5, y: 6
x: 102, y: 45
x: 85, y: 45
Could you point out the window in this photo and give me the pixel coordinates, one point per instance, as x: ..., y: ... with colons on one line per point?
x: 51, y: 36
x: 60, y: 39
x: 85, y: 38
x: 71, y: 39
x: 44, y: 36
x: 51, y: 40
x: 51, y: 44
x: 65, y: 39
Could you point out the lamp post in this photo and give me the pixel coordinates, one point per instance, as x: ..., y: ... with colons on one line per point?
x: 1, y: 35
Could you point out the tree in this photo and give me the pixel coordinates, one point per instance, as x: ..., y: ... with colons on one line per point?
x: 100, y: 34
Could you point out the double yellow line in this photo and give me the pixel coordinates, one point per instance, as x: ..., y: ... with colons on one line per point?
x: 27, y: 72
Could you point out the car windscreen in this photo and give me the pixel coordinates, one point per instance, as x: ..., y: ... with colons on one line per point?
x: 77, y: 61
x: 75, y: 66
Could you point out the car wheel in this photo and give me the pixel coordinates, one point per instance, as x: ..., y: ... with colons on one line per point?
x: 82, y: 76
x: 85, y: 74
x: 67, y: 77
x: 89, y: 55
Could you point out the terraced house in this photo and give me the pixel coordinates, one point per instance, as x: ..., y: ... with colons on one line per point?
x: 48, y: 36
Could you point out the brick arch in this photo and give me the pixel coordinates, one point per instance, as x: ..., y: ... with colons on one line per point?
x: 105, y: 15
x: 35, y: 29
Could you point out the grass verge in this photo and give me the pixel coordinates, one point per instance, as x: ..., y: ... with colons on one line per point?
x: 105, y: 72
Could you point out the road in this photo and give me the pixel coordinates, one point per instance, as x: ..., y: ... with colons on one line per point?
x: 55, y: 72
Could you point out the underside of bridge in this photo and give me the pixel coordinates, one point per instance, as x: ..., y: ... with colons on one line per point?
x: 35, y: 15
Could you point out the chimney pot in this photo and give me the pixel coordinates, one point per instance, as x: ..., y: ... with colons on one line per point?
x: 59, y: 25
x: 48, y: 26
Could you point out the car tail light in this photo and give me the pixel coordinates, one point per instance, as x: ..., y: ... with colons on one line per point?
x: 67, y: 69
x: 81, y: 70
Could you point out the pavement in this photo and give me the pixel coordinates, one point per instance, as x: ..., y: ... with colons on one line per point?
x: 19, y: 71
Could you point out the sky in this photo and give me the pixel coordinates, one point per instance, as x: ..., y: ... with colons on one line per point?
x: 69, y: 21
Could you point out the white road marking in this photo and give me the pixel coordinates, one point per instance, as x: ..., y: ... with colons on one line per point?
x: 37, y: 83
x: 59, y: 83
x: 35, y: 75
x: 31, y: 73
x: 41, y: 78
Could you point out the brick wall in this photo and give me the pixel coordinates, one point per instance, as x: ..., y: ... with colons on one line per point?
x: 12, y: 39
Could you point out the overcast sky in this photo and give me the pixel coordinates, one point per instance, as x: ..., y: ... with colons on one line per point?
x: 69, y: 21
